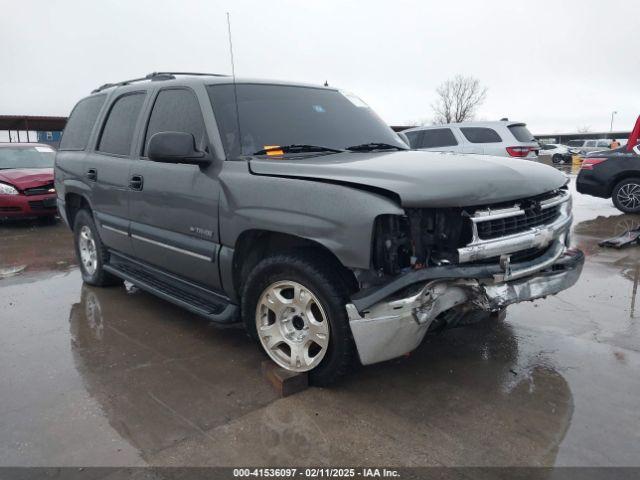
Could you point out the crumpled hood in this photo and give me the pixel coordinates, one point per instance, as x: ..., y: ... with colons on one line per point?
x: 425, y: 179
x: 22, y: 178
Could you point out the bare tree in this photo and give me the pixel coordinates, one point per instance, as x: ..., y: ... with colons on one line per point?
x: 458, y: 99
x: 584, y: 129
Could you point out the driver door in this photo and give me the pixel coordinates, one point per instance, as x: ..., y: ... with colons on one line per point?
x: 173, y: 206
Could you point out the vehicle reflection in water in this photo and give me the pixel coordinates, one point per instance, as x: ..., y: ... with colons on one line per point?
x: 31, y: 250
x: 165, y: 378
x: 161, y: 373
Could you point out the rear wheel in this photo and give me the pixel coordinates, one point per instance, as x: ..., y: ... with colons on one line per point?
x: 295, y: 306
x: 91, y: 253
x: 557, y: 158
x: 626, y: 195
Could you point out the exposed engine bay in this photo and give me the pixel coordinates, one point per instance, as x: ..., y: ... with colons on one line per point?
x: 427, y: 237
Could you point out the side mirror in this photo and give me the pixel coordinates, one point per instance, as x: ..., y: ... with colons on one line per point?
x: 175, y: 147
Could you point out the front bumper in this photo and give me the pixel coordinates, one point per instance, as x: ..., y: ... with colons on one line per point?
x: 394, y: 327
x: 19, y: 206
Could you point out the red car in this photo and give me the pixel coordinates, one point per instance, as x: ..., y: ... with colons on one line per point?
x: 26, y: 180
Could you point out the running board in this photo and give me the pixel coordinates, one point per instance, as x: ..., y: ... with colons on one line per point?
x: 201, y: 301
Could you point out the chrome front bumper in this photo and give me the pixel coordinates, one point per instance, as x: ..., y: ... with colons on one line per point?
x: 394, y: 327
x: 386, y: 324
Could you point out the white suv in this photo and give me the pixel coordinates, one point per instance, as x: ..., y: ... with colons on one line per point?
x: 503, y: 139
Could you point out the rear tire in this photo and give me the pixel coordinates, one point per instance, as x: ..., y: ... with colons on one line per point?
x: 92, y: 255
x: 294, y: 305
x: 626, y: 195
x: 557, y: 159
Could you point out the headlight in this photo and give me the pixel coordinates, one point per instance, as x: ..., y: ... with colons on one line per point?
x: 7, y: 189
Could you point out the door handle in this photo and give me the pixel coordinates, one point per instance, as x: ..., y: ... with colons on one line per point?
x: 136, y: 182
x: 92, y: 174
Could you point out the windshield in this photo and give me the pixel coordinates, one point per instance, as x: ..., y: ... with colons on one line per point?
x: 277, y: 115
x: 26, y: 157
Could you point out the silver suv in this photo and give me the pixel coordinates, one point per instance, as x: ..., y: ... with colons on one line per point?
x: 502, y: 139
x: 585, y: 146
x: 295, y: 210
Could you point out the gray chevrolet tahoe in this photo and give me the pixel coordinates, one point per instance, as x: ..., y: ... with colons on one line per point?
x: 294, y: 209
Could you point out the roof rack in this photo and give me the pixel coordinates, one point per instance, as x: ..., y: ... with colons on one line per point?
x: 156, y: 76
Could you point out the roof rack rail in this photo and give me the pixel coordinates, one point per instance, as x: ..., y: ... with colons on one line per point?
x: 155, y: 76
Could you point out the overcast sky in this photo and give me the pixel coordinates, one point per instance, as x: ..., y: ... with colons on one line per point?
x: 556, y: 65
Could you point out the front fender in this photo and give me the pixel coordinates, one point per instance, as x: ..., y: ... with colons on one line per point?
x: 338, y: 217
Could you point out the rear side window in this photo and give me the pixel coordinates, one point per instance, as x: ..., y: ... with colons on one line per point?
x: 83, y: 117
x: 117, y: 133
x: 604, y: 143
x: 575, y: 143
x: 414, y: 138
x: 437, y: 137
x: 176, y: 110
x: 521, y: 132
x: 590, y: 143
x: 480, y: 134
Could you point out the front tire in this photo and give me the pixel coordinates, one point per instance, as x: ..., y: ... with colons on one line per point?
x: 295, y: 306
x: 626, y: 195
x: 90, y: 252
x: 557, y: 159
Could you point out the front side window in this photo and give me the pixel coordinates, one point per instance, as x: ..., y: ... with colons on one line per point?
x: 481, y: 135
x: 575, y: 143
x: 26, y: 157
x: 590, y: 143
x: 176, y: 110
x: 279, y: 115
x: 117, y: 133
x: 80, y: 124
x: 604, y: 143
x: 437, y: 137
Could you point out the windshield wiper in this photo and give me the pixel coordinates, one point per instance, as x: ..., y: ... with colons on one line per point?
x: 298, y: 148
x: 368, y: 147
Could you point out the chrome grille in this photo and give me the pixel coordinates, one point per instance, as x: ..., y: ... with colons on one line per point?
x: 532, y: 217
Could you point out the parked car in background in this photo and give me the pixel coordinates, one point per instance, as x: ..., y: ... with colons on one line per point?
x: 613, y: 174
x: 26, y: 180
x: 585, y: 146
x: 502, y: 139
x: 558, y: 153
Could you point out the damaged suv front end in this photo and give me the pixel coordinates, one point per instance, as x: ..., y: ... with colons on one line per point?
x: 437, y: 261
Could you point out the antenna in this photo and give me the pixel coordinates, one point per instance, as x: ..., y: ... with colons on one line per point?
x: 233, y: 67
x: 235, y: 89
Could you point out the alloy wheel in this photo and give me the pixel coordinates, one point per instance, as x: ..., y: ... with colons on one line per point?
x: 629, y: 196
x: 292, y: 326
x: 88, y: 251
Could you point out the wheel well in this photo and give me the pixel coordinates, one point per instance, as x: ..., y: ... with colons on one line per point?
x: 621, y: 176
x: 73, y: 204
x: 255, y: 245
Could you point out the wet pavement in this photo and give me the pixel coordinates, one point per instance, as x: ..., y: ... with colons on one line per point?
x: 115, y: 376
